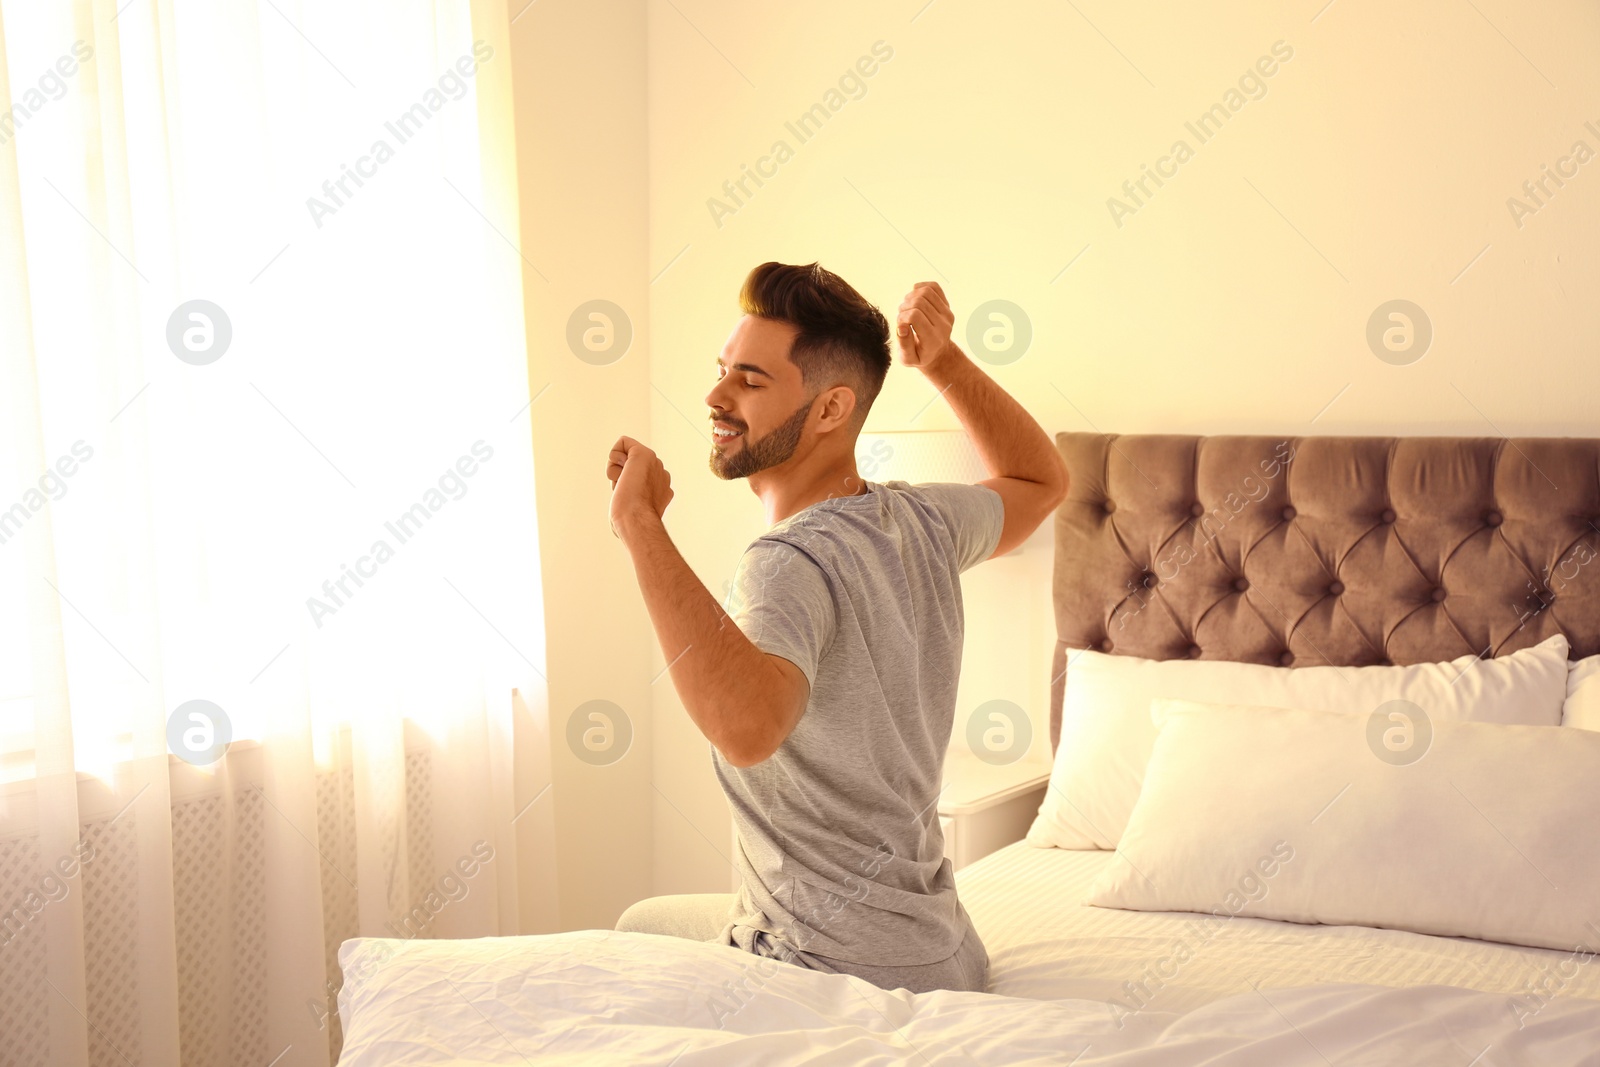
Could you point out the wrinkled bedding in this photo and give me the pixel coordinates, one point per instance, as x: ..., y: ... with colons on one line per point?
x: 593, y: 996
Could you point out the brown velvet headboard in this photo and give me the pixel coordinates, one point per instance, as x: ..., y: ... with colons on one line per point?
x: 1324, y: 550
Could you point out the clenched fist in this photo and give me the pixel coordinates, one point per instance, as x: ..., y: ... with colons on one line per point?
x: 640, y: 484
x: 923, y: 326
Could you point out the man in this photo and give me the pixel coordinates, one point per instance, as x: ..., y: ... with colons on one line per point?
x: 828, y: 691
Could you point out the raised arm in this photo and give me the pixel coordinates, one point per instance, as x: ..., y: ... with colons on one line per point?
x: 1024, y: 465
x: 744, y: 700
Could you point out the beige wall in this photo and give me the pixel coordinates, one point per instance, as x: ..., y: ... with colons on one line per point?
x: 579, y: 83
x: 1376, y: 163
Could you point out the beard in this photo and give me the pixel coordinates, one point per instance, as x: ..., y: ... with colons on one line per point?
x: 769, y: 451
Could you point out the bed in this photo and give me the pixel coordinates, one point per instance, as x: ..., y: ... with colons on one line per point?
x: 1043, y: 945
x: 1337, y: 553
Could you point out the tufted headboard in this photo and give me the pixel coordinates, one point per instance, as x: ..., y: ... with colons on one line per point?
x: 1324, y: 550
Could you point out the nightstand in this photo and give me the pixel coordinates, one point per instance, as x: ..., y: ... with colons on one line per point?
x: 983, y: 807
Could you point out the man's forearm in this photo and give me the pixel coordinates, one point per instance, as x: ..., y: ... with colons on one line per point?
x: 722, y: 678
x: 1009, y: 441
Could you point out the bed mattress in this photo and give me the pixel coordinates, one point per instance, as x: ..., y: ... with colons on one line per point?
x: 1044, y: 943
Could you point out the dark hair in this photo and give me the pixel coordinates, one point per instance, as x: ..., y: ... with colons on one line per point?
x: 841, y: 334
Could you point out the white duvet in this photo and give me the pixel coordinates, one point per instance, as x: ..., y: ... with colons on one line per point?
x: 596, y: 997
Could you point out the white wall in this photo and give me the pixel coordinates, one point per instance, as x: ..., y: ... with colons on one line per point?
x: 1376, y: 165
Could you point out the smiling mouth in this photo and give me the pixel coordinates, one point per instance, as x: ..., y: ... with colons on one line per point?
x: 719, y: 437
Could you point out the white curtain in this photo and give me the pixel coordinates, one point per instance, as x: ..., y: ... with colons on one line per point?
x: 265, y: 478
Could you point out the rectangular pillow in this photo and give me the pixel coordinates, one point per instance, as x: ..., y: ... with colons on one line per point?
x: 1582, y: 708
x: 1106, y: 732
x: 1391, y: 819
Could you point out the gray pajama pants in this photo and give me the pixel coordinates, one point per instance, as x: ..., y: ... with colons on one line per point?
x: 704, y: 917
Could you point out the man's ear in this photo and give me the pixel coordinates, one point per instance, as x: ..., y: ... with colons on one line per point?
x: 838, y: 407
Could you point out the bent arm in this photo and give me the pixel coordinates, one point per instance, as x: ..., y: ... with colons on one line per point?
x: 744, y: 700
x: 1025, y: 466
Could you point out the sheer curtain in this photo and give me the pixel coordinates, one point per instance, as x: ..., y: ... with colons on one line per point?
x: 268, y: 563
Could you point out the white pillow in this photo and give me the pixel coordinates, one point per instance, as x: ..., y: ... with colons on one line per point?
x: 1106, y: 731
x: 1582, y: 708
x: 1487, y: 832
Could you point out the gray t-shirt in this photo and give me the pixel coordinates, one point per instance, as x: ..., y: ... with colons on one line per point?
x: 839, y: 845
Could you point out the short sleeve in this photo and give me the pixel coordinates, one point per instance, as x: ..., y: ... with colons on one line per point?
x: 781, y: 600
x: 975, y: 515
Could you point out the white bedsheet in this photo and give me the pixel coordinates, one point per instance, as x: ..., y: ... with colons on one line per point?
x: 601, y: 997
x: 1044, y: 944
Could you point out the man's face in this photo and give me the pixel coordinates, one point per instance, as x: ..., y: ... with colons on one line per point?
x: 759, y: 405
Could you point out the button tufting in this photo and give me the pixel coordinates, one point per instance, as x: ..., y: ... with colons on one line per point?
x: 1197, y: 509
x: 1109, y: 506
x: 1148, y: 580
x: 1493, y: 518
x: 1241, y: 584
x: 1194, y: 651
x: 1286, y: 659
x: 1335, y: 588
x: 1437, y: 594
x: 1105, y: 645
x: 1288, y: 512
x: 1388, y: 515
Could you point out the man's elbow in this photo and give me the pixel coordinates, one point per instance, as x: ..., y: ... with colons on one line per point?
x: 1062, y: 482
x: 747, y: 755
x: 742, y: 761
x: 1054, y: 491
x: 775, y: 708
x: 753, y: 746
x: 1059, y: 490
